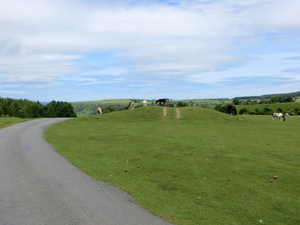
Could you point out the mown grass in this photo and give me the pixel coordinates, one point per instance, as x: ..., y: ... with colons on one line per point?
x: 206, y: 167
x: 8, y: 121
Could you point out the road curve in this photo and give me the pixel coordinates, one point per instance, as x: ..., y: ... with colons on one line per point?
x: 38, y: 186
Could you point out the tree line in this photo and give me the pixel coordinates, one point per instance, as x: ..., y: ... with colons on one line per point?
x: 24, y: 108
x: 272, y: 100
x: 269, y: 96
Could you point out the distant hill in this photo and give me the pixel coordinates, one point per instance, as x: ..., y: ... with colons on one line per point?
x: 269, y: 96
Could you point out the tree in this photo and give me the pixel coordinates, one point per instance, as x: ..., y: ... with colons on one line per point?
x: 12, y: 110
x: 236, y: 101
x: 249, y: 102
x: 289, y: 99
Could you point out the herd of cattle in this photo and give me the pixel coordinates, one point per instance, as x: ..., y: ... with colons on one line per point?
x: 130, y: 106
x: 231, y: 109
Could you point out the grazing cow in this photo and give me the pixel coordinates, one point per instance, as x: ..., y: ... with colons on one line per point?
x: 279, y: 116
x: 287, y: 114
x: 131, y: 105
x: 232, y: 110
x: 144, y: 103
x: 99, y: 110
x: 161, y: 101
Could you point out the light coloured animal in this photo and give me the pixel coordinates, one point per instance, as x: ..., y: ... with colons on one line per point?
x: 99, y: 110
x: 131, y: 105
x: 279, y: 116
x: 287, y: 114
x: 144, y: 103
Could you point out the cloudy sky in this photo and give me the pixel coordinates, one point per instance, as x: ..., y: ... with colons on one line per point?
x: 83, y: 50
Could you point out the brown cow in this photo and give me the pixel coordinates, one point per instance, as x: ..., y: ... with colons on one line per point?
x: 131, y: 105
x: 99, y: 110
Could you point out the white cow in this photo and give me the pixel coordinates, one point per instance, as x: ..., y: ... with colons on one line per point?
x: 144, y: 103
x: 279, y: 116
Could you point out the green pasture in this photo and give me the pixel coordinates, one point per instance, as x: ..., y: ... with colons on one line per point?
x: 205, y: 167
x: 286, y: 107
x: 9, y: 121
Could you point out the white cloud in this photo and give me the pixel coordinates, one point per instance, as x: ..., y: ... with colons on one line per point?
x: 199, y: 41
x: 13, y: 92
x: 9, y: 86
x: 33, y: 86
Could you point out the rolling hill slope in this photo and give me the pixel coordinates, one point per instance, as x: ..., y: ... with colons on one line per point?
x: 204, y: 167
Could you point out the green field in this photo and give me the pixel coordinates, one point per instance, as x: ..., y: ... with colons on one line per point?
x: 286, y: 107
x: 205, y: 167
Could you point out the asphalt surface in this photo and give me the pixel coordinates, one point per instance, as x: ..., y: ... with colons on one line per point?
x: 38, y: 186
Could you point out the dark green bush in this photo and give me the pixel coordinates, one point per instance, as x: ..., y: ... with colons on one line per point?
x: 182, y: 104
x: 243, y: 111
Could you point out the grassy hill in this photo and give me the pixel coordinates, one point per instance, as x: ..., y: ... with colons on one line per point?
x: 205, y: 167
x: 90, y: 107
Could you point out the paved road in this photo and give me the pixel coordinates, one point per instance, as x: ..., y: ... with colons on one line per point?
x: 38, y: 186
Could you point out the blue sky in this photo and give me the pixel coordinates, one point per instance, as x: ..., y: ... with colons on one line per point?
x: 83, y: 50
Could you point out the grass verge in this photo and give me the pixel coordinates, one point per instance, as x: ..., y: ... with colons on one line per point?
x: 9, y: 121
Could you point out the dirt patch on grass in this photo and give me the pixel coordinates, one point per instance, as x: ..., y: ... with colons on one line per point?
x: 178, y: 113
x: 165, y: 111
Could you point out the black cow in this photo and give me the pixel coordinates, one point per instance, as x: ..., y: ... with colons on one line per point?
x: 161, y: 101
x: 232, y: 110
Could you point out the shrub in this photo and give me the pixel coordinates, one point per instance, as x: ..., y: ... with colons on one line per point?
x: 261, y: 113
x: 297, y: 111
x: 138, y: 106
x: 222, y: 108
x: 268, y: 111
x: 170, y: 105
x: 182, y: 104
x: 252, y: 112
x: 108, y: 109
x: 243, y: 111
